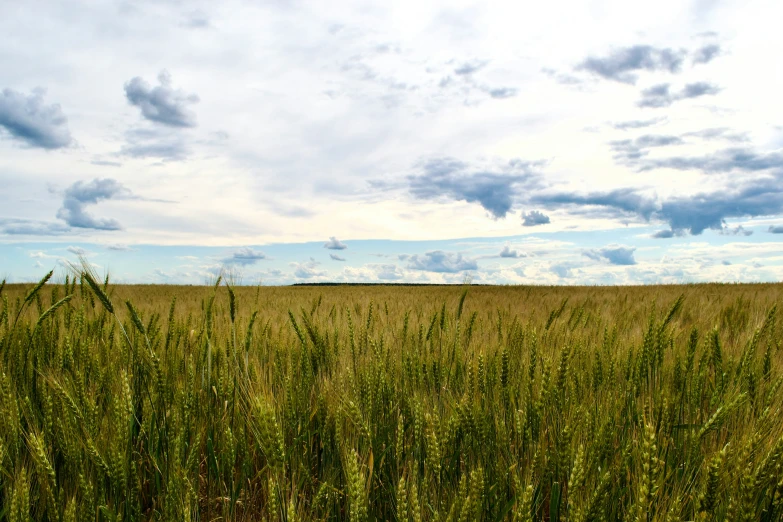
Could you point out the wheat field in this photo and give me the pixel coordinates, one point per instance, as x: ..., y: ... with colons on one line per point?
x: 385, y: 403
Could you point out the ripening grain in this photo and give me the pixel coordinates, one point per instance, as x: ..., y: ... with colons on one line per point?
x: 390, y: 403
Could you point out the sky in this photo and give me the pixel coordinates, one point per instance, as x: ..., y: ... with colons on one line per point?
x: 291, y: 141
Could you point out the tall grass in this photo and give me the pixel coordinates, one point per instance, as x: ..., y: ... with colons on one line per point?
x: 385, y: 403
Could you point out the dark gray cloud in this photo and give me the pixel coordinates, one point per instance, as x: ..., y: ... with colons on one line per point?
x: 28, y: 227
x: 162, y: 104
x: 468, y: 68
x: 694, y: 90
x: 533, y: 218
x: 661, y: 95
x: 503, y: 92
x: 441, y: 262
x: 81, y: 194
x: 706, y: 54
x: 656, y: 96
x: 623, y: 201
x: 709, y: 210
x: 495, y: 190
x: 622, y: 64
x: 739, y: 230
x: 244, y: 256
x: 29, y: 120
x: 335, y: 244
x: 615, y: 255
x: 507, y: 252
x: 336, y: 257
x: 775, y: 229
x: 742, y: 198
x: 656, y: 140
x: 664, y: 234
x: 631, y: 151
x: 636, y: 124
x: 721, y: 161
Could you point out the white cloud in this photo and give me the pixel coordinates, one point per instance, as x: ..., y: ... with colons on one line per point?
x: 335, y: 244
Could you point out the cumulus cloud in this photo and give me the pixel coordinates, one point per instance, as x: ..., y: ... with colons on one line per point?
x: 441, y: 262
x: 388, y: 272
x: 495, y: 189
x: 660, y: 95
x: 615, y: 255
x: 28, y: 119
x: 562, y: 270
x: 336, y: 257
x: 706, y: 54
x: 162, y: 104
x: 308, y: 269
x: 533, y: 218
x: 81, y: 194
x: 621, y: 65
x: 244, y: 256
x: 335, y: 244
x: 775, y: 229
x: 507, y: 252
x: 468, y: 68
x: 79, y: 251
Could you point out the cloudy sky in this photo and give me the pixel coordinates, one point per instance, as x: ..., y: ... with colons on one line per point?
x: 601, y: 142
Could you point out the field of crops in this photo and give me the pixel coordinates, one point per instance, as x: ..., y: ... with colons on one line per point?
x: 390, y: 403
